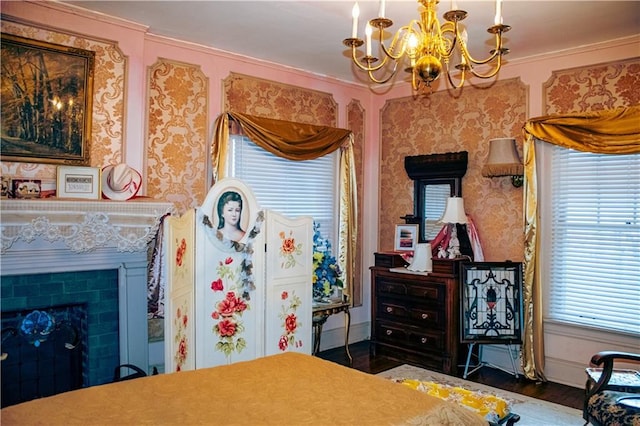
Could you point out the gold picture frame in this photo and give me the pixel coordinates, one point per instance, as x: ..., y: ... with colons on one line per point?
x: 46, y: 101
x: 78, y: 182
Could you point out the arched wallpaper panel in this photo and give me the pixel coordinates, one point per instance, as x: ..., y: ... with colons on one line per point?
x: 266, y: 98
x: 593, y: 88
x: 442, y: 123
x: 177, y: 126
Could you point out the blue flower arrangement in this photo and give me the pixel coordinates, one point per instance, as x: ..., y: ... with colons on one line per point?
x: 326, y: 271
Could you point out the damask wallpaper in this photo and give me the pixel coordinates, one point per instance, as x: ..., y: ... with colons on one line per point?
x: 442, y: 123
x: 265, y: 98
x: 177, y: 134
x: 593, y: 88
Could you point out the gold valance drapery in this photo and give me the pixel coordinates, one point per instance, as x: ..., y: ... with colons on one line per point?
x: 615, y: 131
x: 298, y: 142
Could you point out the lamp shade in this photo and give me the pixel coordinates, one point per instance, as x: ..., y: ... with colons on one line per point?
x: 421, y: 258
x: 503, y: 159
x: 454, y: 211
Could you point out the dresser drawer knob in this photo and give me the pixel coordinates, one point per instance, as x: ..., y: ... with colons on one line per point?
x: 389, y: 332
x: 423, y: 340
x: 389, y: 309
x: 425, y: 316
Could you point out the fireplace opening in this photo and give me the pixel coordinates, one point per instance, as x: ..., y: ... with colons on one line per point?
x: 94, y: 292
x: 43, y: 352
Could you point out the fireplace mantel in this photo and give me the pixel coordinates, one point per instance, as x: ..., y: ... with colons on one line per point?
x: 83, y: 225
x: 52, y: 236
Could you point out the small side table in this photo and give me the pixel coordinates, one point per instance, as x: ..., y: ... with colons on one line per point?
x: 322, y: 311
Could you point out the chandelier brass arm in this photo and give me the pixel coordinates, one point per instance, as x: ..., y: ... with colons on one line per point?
x: 380, y: 24
x: 468, y: 62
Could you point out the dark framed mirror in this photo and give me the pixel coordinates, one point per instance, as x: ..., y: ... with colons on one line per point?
x: 431, y: 201
x: 436, y: 177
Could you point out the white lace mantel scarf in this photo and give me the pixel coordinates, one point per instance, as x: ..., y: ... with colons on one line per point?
x: 83, y: 225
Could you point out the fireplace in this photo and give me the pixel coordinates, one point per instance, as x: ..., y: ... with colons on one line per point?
x: 58, y: 253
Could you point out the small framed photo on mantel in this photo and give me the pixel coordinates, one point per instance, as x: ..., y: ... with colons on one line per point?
x: 78, y: 182
x: 406, y: 237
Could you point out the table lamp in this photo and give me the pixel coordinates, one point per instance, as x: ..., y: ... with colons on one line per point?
x: 455, y: 215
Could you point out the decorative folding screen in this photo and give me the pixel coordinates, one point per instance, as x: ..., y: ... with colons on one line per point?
x: 491, y: 302
x: 231, y: 301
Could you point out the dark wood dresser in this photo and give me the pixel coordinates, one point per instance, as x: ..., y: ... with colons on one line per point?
x: 415, y: 316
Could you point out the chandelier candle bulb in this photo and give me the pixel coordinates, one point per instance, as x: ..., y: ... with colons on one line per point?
x: 382, y: 9
x: 355, y: 12
x: 498, y: 19
x: 368, y: 31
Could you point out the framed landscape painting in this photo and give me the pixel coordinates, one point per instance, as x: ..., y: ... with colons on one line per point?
x: 46, y: 101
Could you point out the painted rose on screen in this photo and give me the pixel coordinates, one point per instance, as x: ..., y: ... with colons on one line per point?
x: 182, y: 248
x: 290, y: 323
x: 289, y: 251
x: 181, y: 320
x: 227, y: 313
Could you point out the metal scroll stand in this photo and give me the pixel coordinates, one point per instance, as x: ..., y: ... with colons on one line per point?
x: 482, y: 363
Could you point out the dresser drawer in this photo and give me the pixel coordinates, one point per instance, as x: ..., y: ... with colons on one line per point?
x: 407, y: 337
x: 426, y: 292
x: 419, y: 316
x: 389, y: 260
x: 393, y: 311
x: 389, y: 333
x: 425, y: 317
x: 426, y: 341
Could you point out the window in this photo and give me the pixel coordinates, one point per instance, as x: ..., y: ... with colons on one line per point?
x: 594, y: 259
x: 293, y: 188
x: 435, y: 202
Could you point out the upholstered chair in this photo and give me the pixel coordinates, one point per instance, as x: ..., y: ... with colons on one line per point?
x: 612, y: 394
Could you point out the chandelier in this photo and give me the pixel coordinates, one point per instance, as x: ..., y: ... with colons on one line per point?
x: 426, y: 47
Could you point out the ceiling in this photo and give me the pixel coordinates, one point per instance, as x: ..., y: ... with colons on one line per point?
x: 308, y: 35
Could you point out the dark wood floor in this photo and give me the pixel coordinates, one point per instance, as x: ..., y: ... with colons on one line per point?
x: 553, y: 392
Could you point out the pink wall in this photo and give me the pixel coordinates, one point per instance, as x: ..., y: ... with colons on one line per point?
x: 142, y: 50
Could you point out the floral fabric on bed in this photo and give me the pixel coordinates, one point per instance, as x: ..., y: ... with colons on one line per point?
x: 491, y: 407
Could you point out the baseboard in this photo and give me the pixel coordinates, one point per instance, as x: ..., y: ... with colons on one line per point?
x: 565, y: 372
x: 156, y: 356
x: 334, y: 338
x: 569, y: 348
x: 559, y: 371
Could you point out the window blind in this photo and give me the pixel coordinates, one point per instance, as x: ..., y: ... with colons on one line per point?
x: 435, y: 200
x: 293, y: 188
x: 595, y: 240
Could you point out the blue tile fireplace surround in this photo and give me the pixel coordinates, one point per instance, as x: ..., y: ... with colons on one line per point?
x: 76, y: 272
x: 83, y: 303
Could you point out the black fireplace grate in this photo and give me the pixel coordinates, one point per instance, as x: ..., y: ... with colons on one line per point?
x: 43, y: 352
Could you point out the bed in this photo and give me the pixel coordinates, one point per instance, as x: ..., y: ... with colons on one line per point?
x: 284, y: 389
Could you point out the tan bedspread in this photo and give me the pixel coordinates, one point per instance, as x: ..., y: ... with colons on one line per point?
x: 285, y: 389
